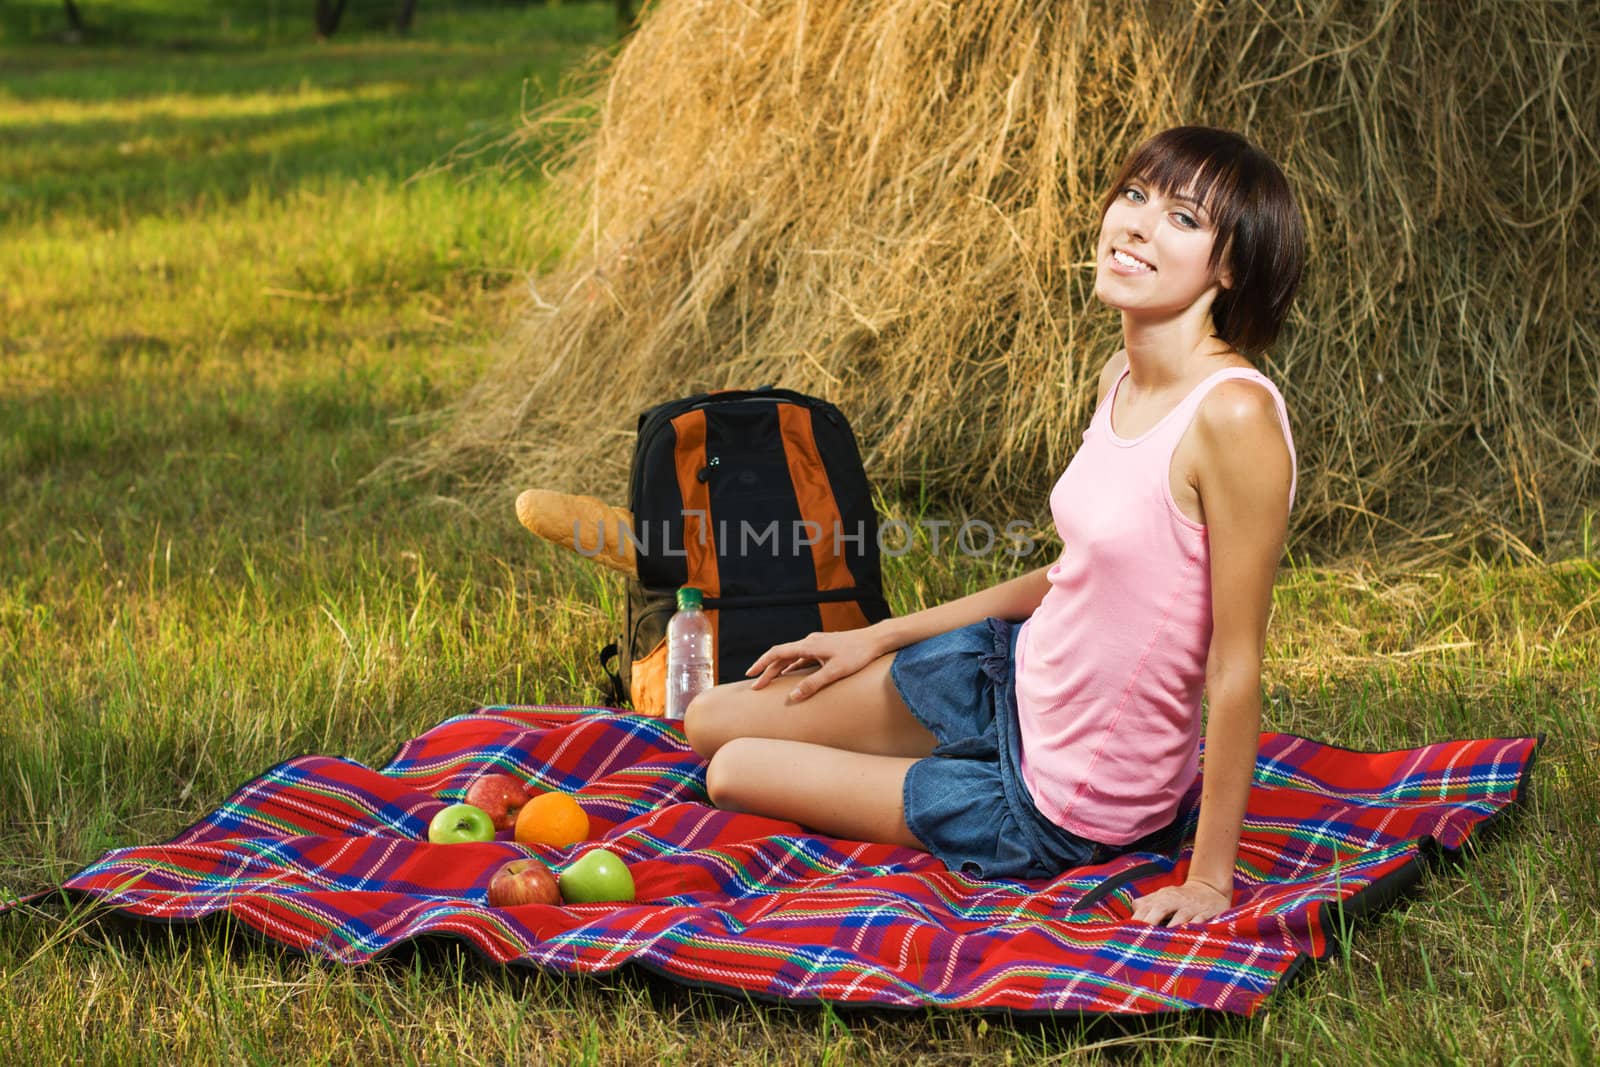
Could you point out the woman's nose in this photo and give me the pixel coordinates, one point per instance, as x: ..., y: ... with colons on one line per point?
x: 1135, y: 223
x: 1145, y: 217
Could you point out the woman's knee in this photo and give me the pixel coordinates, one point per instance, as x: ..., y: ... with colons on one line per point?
x: 725, y: 775
x: 705, y: 721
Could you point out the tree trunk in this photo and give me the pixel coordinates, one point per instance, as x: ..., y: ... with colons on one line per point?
x: 75, y: 18
x: 328, y: 14
x: 403, y: 17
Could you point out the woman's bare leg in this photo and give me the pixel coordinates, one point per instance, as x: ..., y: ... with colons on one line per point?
x: 861, y: 713
x: 844, y: 794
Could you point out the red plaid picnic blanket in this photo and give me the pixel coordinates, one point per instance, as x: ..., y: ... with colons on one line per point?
x: 330, y: 857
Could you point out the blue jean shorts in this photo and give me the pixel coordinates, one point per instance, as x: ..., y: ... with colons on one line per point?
x: 967, y: 803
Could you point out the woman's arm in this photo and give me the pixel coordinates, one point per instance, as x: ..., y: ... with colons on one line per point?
x: 843, y: 652
x: 1015, y: 599
x: 1244, y: 473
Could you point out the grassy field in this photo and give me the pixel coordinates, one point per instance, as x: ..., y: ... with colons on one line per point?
x: 225, y: 301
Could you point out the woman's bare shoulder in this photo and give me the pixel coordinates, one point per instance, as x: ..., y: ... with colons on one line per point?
x: 1111, y: 372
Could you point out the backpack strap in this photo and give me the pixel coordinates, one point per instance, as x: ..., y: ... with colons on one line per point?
x: 613, y: 685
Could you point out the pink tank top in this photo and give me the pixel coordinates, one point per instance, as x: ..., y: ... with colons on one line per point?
x: 1111, y: 667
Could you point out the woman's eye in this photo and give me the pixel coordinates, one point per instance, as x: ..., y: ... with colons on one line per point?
x: 1188, y: 221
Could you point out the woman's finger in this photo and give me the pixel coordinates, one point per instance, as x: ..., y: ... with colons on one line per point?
x: 778, y: 656
x: 773, y: 653
x: 1152, y: 909
x: 812, y: 683
x: 771, y: 671
x: 774, y: 667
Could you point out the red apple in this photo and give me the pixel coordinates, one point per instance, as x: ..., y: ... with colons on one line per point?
x: 525, y: 881
x: 501, y: 795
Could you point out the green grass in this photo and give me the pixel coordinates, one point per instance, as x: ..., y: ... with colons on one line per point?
x: 225, y: 301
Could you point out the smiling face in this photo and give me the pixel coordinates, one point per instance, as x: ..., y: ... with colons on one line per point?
x: 1153, y: 257
x: 1248, y: 210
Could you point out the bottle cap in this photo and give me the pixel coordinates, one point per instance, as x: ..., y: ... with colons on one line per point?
x: 689, y: 597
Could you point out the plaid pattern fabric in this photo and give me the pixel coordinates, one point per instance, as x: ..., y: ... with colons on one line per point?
x: 331, y: 857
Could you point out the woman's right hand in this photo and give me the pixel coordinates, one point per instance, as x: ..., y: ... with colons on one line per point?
x: 836, y: 655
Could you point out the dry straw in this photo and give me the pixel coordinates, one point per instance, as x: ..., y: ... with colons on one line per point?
x: 891, y: 203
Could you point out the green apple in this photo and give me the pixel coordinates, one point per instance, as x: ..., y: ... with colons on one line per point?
x: 598, y: 876
x: 460, y: 823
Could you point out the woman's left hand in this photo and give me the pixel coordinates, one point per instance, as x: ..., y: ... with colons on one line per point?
x: 1191, y: 902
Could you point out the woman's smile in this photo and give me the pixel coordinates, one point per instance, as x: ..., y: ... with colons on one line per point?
x: 1127, y: 263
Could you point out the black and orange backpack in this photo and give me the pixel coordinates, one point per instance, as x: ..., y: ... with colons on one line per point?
x: 759, y: 499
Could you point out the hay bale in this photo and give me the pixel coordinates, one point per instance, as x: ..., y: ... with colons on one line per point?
x: 892, y: 203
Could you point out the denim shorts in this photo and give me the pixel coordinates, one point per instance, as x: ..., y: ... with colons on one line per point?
x: 967, y: 803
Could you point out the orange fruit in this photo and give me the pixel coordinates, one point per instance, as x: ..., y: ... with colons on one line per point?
x: 554, y: 819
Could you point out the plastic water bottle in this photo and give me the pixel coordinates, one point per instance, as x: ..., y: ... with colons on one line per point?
x: 690, y: 667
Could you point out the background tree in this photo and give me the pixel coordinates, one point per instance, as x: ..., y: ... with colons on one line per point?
x: 75, y: 19
x: 328, y: 14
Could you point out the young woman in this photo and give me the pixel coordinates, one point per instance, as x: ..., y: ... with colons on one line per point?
x: 1018, y: 751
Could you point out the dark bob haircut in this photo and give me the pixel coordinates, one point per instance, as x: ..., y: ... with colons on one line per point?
x: 1251, y: 211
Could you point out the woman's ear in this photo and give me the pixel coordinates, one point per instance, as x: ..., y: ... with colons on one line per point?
x: 1225, y: 268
